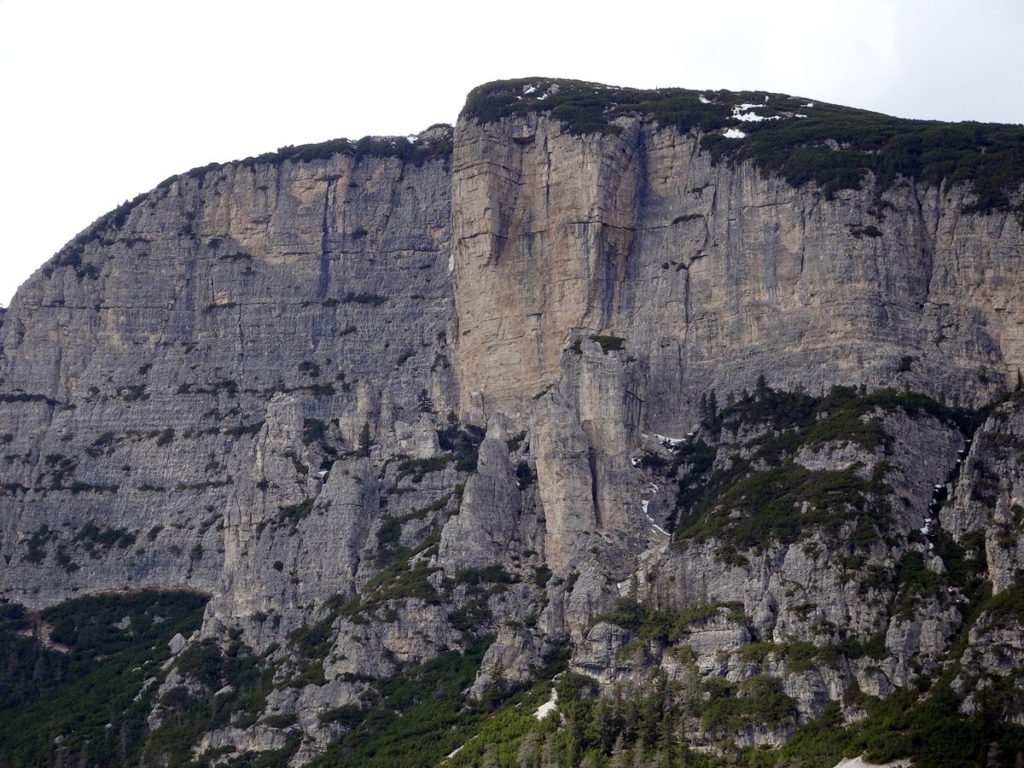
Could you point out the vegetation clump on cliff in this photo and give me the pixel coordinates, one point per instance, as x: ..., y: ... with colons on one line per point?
x: 765, y: 496
x: 833, y: 146
x: 84, y: 700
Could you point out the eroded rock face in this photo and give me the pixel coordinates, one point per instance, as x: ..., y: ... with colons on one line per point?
x: 988, y: 513
x: 208, y: 360
x: 381, y: 408
x: 714, y: 274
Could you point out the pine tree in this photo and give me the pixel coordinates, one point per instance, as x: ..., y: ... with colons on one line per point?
x: 364, y: 440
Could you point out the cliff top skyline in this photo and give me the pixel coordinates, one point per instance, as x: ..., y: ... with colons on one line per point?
x: 106, y: 101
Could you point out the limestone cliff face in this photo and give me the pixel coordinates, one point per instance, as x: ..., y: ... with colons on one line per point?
x: 383, y: 399
x: 710, y: 275
x: 178, y: 376
x: 716, y: 273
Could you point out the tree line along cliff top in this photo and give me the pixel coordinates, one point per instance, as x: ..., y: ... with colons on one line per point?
x: 797, y: 138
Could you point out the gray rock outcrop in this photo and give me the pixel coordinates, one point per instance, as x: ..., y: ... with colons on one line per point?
x: 379, y: 403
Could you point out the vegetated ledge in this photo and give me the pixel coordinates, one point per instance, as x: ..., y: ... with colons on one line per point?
x: 432, y: 144
x: 801, y: 140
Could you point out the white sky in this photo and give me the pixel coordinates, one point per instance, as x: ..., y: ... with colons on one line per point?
x: 102, y: 99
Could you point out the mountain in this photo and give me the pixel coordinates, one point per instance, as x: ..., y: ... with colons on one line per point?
x: 693, y: 418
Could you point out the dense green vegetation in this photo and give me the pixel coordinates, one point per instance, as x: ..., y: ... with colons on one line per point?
x: 757, y: 700
x: 637, y: 728
x: 79, y: 706
x: 763, y: 495
x: 416, y: 717
x: 399, y: 147
x: 419, y: 716
x: 665, y: 626
x: 832, y: 146
x: 461, y: 446
x: 929, y: 729
x: 1008, y: 605
x: 642, y: 727
x: 784, y: 503
x: 649, y: 727
x: 233, y: 687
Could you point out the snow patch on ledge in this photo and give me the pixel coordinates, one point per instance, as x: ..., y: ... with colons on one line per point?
x: 745, y: 114
x: 654, y: 525
x: 548, y: 706
x: 734, y: 133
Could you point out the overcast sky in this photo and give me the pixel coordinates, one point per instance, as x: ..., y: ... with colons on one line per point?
x: 102, y: 99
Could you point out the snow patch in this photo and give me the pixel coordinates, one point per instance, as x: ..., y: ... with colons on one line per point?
x: 860, y: 762
x: 650, y: 519
x: 528, y: 89
x: 734, y: 133
x: 808, y: 105
x: 703, y: 100
x: 670, y: 440
x: 798, y: 115
x: 744, y: 113
x: 548, y: 706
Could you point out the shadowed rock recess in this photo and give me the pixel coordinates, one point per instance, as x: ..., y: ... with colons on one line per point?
x: 606, y: 428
